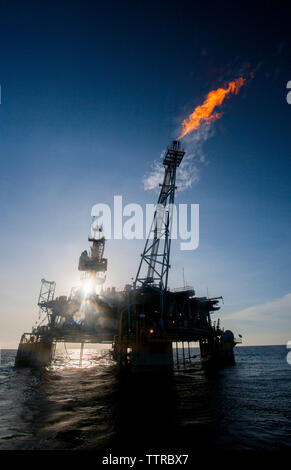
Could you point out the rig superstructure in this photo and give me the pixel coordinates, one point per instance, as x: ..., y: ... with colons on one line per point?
x: 142, y: 321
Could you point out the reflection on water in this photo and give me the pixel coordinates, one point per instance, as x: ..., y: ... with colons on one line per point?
x: 88, y: 405
x: 80, y: 358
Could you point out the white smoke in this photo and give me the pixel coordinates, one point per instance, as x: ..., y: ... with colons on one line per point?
x: 155, y: 177
x: 189, y: 170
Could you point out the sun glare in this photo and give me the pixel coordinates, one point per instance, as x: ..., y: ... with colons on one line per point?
x: 88, y: 287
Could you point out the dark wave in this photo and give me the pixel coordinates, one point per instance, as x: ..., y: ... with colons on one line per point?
x: 246, y: 406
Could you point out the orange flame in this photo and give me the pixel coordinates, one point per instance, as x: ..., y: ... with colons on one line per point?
x: 205, y: 112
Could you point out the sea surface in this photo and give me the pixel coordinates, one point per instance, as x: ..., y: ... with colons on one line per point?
x: 88, y: 406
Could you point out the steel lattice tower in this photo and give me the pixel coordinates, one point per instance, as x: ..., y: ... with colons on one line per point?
x: 47, y: 293
x: 155, y: 259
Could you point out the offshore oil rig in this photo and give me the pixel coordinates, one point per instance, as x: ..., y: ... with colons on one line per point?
x: 142, y: 321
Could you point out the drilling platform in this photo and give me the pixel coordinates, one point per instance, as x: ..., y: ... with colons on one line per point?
x: 142, y: 321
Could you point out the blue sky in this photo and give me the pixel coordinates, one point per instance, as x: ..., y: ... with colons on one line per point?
x: 91, y: 95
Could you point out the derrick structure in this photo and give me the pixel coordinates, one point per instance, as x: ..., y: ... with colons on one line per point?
x: 46, y: 294
x: 155, y: 259
x: 93, y: 265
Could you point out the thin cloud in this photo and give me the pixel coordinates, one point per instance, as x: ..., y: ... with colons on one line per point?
x: 277, y: 309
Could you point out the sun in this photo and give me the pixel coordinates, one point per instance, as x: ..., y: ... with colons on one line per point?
x: 88, y: 287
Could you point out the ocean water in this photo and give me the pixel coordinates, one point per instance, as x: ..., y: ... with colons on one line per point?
x: 89, y: 406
